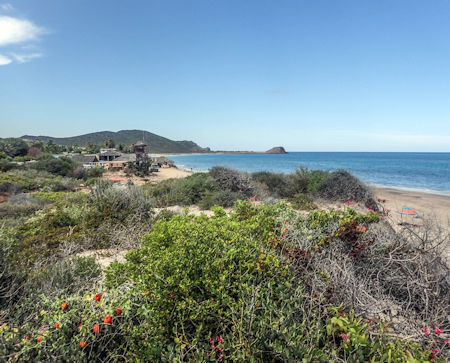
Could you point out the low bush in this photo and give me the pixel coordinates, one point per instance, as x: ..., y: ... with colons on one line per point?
x: 59, y: 166
x: 232, y: 180
x: 6, y: 165
x: 109, y: 203
x: 276, y: 183
x: 342, y: 186
x: 186, y: 191
x: 20, y: 205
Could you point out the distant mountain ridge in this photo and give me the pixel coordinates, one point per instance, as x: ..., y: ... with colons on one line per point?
x: 156, y: 143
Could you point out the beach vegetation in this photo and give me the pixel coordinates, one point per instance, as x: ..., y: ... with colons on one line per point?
x: 258, y: 282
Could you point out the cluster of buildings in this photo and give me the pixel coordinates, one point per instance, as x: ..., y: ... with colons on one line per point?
x: 111, y: 159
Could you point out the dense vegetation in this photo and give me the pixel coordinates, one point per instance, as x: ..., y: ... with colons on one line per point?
x: 158, y: 143
x: 261, y: 282
x: 223, y: 186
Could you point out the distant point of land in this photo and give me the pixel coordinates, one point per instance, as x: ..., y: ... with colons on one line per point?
x: 277, y: 150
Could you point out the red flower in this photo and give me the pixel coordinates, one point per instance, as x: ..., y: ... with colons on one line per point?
x: 27, y: 338
x: 446, y: 342
x: 97, y: 297
x: 427, y: 333
x: 83, y: 344
x: 118, y: 311
x: 344, y: 336
x: 437, y: 331
x: 108, y: 319
x: 64, y: 305
x: 220, y: 339
x: 57, y: 326
x: 211, y: 341
x: 363, y: 229
x: 435, y: 351
x: 96, y: 328
x: 221, y: 356
x: 39, y: 339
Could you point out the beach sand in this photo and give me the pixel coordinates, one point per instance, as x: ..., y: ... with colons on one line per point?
x: 162, y: 174
x: 427, y: 206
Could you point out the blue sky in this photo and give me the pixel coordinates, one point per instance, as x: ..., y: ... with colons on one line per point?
x: 232, y: 74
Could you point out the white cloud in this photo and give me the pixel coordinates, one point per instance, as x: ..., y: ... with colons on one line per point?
x: 15, y: 30
x: 24, y: 58
x: 6, y: 7
x: 4, y: 60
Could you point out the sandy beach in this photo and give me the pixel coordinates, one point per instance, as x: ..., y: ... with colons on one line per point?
x: 162, y: 174
x: 427, y: 206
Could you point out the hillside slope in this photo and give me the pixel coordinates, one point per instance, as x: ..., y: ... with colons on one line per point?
x: 156, y: 143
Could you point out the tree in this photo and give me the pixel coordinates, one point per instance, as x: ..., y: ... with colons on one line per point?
x: 14, y: 147
x: 34, y: 152
x: 37, y: 144
x: 110, y: 143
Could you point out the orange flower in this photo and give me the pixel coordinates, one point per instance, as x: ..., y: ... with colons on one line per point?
x: 108, y: 319
x: 363, y: 229
x: 39, y: 339
x: 57, y: 326
x: 64, y: 305
x: 83, y: 343
x: 96, y: 328
x: 357, y: 228
x: 97, y: 297
x: 118, y: 310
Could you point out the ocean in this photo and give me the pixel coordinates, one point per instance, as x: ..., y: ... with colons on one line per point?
x: 424, y: 172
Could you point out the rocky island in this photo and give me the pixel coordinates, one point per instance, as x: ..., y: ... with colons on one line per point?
x: 276, y: 150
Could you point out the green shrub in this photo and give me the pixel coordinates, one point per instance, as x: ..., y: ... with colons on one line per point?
x: 276, y: 183
x: 13, y: 147
x: 20, y: 205
x: 232, y: 180
x: 184, y: 191
x: 108, y: 203
x: 59, y: 166
x: 222, y: 198
x: 342, y: 186
x: 6, y: 165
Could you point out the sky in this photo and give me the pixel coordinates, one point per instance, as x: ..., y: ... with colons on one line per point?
x: 320, y: 75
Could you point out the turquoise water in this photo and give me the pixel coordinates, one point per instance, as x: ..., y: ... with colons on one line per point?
x: 427, y: 172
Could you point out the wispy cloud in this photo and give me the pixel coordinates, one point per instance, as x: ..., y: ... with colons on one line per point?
x: 24, y: 58
x: 4, y: 60
x: 6, y: 7
x: 15, y: 31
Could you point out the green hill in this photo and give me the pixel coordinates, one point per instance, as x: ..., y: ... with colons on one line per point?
x: 157, y: 144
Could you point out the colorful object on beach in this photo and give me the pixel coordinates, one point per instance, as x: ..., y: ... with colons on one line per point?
x: 349, y: 202
x: 407, y: 211
x: 117, y: 179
